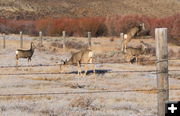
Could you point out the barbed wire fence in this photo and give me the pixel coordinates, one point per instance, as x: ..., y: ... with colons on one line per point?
x: 67, y: 73
x: 161, y: 72
x: 90, y: 92
x: 100, y: 63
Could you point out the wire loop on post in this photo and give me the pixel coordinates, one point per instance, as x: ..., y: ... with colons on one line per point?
x: 162, y: 60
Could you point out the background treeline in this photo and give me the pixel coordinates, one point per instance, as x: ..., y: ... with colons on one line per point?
x: 99, y: 26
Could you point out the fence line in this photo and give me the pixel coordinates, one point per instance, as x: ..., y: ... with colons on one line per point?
x: 21, y: 39
x: 88, y: 92
x: 47, y: 65
x: 4, y: 41
x: 41, y: 39
x: 98, y: 72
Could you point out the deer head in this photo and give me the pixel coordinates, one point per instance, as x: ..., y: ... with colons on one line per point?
x: 143, y: 46
x: 33, y: 46
x: 64, y: 62
x: 142, y: 27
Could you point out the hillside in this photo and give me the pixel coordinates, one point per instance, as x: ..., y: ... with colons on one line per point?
x: 29, y: 9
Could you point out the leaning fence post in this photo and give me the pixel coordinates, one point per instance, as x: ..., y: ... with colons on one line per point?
x: 89, y: 39
x: 21, y: 39
x: 162, y: 69
x: 40, y: 35
x: 64, y: 39
x: 4, y: 41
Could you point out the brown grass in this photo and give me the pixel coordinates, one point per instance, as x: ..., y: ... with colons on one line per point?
x: 146, y: 60
x: 171, y: 53
x: 70, y: 45
x: 84, y: 102
x: 82, y: 8
x: 9, y: 98
x: 46, y: 79
x: 148, y: 92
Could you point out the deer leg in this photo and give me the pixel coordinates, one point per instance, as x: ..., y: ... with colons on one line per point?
x: 122, y: 47
x: 79, y: 69
x: 93, y: 65
x: 94, y: 69
x: 130, y: 60
x: 28, y: 61
x: 61, y: 68
x: 17, y: 64
x: 94, y: 73
x: 125, y: 48
x: 86, y: 69
x: 137, y: 60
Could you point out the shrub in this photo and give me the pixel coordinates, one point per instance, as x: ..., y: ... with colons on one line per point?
x: 175, y: 32
x: 75, y: 45
x: 95, y: 25
x: 70, y: 45
x: 98, y: 26
x: 43, y: 25
x: 119, y: 24
x: 83, y: 102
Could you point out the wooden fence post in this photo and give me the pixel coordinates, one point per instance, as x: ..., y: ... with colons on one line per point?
x: 89, y: 39
x: 122, y: 36
x: 21, y: 40
x: 4, y: 41
x: 162, y: 69
x: 64, y: 39
x: 121, y: 39
x: 40, y: 35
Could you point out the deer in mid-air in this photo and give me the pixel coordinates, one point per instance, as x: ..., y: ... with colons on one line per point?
x: 21, y: 53
x: 82, y: 57
x: 130, y: 34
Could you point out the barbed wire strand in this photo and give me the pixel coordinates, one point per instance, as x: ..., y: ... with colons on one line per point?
x: 97, y: 72
x: 48, y: 65
x: 87, y: 92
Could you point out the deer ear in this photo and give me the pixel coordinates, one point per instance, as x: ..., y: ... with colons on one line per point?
x: 63, y: 61
x: 33, y: 45
x: 142, y: 25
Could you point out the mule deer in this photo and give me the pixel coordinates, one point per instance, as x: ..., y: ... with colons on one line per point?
x: 130, y: 34
x: 82, y: 57
x: 132, y: 53
x: 147, y: 47
x: 20, y: 53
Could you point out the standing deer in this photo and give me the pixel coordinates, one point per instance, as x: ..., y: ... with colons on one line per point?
x: 130, y: 34
x: 20, y: 53
x: 82, y: 57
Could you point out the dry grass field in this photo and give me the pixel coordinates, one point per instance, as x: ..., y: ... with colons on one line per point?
x: 141, y: 103
x: 79, y: 8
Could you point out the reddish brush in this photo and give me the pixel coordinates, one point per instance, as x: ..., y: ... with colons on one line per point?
x: 98, y: 26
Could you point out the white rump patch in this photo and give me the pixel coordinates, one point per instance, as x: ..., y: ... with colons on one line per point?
x: 16, y: 52
x: 90, y: 54
x: 125, y: 36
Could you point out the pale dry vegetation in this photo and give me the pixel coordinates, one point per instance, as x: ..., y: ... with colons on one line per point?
x: 105, y: 18
x: 140, y: 103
